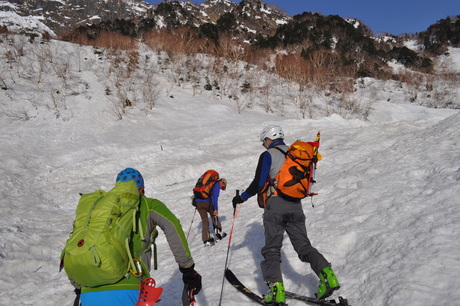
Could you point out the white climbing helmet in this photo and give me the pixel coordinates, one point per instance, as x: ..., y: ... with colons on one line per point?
x: 272, y: 132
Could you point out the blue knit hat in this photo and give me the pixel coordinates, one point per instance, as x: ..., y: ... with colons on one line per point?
x: 130, y: 174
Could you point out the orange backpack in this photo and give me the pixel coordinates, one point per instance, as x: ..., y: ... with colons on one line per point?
x: 203, y: 186
x: 295, y: 177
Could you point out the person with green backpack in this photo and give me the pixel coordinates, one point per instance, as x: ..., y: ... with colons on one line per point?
x: 109, y: 252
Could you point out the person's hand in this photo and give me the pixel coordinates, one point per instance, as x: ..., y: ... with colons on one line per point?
x: 191, y: 279
x: 237, y: 200
x: 215, y: 213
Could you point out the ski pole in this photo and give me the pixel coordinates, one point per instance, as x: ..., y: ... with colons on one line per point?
x: 188, y: 296
x: 313, y: 169
x: 191, y: 223
x: 235, y: 214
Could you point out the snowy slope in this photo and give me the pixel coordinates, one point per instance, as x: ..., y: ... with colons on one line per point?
x: 386, y: 215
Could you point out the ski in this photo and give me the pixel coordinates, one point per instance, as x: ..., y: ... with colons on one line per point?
x: 235, y: 282
x: 224, y: 234
x: 314, y: 301
x: 216, y: 240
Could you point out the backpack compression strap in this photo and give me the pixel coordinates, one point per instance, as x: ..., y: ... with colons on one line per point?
x: 136, y: 267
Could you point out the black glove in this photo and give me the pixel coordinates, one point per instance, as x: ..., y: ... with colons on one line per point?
x: 237, y: 200
x: 191, y: 278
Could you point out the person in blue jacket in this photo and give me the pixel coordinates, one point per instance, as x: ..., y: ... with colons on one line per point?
x: 211, y: 206
x: 283, y: 215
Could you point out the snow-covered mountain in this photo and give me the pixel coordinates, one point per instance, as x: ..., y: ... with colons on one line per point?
x: 60, y: 17
x: 216, y: 8
x: 11, y: 20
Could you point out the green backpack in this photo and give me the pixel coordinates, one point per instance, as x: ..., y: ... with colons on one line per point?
x: 98, y: 250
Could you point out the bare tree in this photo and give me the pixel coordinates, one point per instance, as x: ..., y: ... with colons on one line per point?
x: 305, y: 100
x: 148, y: 87
x: 265, y: 91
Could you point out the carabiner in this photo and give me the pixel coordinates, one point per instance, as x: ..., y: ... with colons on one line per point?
x: 139, y: 268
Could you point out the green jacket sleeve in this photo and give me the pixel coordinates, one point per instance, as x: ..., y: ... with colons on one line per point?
x: 160, y: 215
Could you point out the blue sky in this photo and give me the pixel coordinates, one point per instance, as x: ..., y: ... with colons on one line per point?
x: 391, y: 16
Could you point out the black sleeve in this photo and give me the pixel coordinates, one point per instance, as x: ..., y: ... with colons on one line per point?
x: 254, y: 186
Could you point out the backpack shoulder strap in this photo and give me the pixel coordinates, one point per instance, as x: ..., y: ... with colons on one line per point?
x: 281, y: 150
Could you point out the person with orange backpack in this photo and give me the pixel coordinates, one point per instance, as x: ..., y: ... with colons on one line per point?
x: 206, y: 200
x: 284, y: 213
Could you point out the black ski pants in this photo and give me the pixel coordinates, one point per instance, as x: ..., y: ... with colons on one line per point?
x: 283, y: 216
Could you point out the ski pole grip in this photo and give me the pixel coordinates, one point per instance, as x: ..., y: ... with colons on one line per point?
x: 237, y: 194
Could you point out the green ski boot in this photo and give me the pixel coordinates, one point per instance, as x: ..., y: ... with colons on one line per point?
x: 276, y: 294
x: 328, y: 283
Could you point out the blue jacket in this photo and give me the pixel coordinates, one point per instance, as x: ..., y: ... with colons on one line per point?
x: 215, y: 192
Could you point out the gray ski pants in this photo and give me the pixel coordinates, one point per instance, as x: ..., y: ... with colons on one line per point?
x: 282, y: 216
